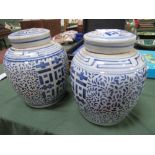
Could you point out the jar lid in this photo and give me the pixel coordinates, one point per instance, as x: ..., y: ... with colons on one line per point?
x: 29, y: 38
x: 109, y: 41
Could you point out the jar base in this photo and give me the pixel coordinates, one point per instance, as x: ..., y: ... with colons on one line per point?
x: 90, y: 118
x: 47, y: 105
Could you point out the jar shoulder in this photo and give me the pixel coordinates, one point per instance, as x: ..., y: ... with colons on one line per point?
x: 112, y: 64
x: 34, y: 53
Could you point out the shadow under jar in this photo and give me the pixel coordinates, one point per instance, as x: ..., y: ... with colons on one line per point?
x: 107, y: 76
x: 36, y: 67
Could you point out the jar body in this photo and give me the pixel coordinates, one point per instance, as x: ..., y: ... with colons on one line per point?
x: 38, y: 74
x: 106, y: 87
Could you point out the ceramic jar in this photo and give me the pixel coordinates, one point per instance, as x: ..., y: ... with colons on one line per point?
x: 107, y: 76
x: 36, y: 67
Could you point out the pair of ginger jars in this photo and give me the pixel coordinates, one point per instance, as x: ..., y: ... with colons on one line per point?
x: 107, y: 74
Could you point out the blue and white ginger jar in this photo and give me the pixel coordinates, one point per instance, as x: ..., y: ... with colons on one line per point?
x: 36, y: 67
x: 107, y: 76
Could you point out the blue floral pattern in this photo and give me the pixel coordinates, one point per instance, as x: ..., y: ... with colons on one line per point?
x: 105, y: 99
x: 40, y: 78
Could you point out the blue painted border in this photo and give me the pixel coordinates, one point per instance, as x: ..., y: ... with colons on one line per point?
x: 32, y: 59
x: 106, y: 73
x: 108, y: 46
x: 23, y: 42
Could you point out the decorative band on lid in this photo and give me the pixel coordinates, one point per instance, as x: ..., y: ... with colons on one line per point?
x: 109, y: 41
x: 29, y: 38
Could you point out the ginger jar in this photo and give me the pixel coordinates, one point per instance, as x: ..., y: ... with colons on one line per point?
x: 36, y: 67
x: 107, y: 76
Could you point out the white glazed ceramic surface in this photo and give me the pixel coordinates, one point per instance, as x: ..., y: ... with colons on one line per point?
x: 106, y: 87
x: 37, y: 73
x: 30, y: 38
x: 109, y: 41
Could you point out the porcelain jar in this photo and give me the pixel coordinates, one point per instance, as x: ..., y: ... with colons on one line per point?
x: 107, y: 76
x: 36, y: 67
